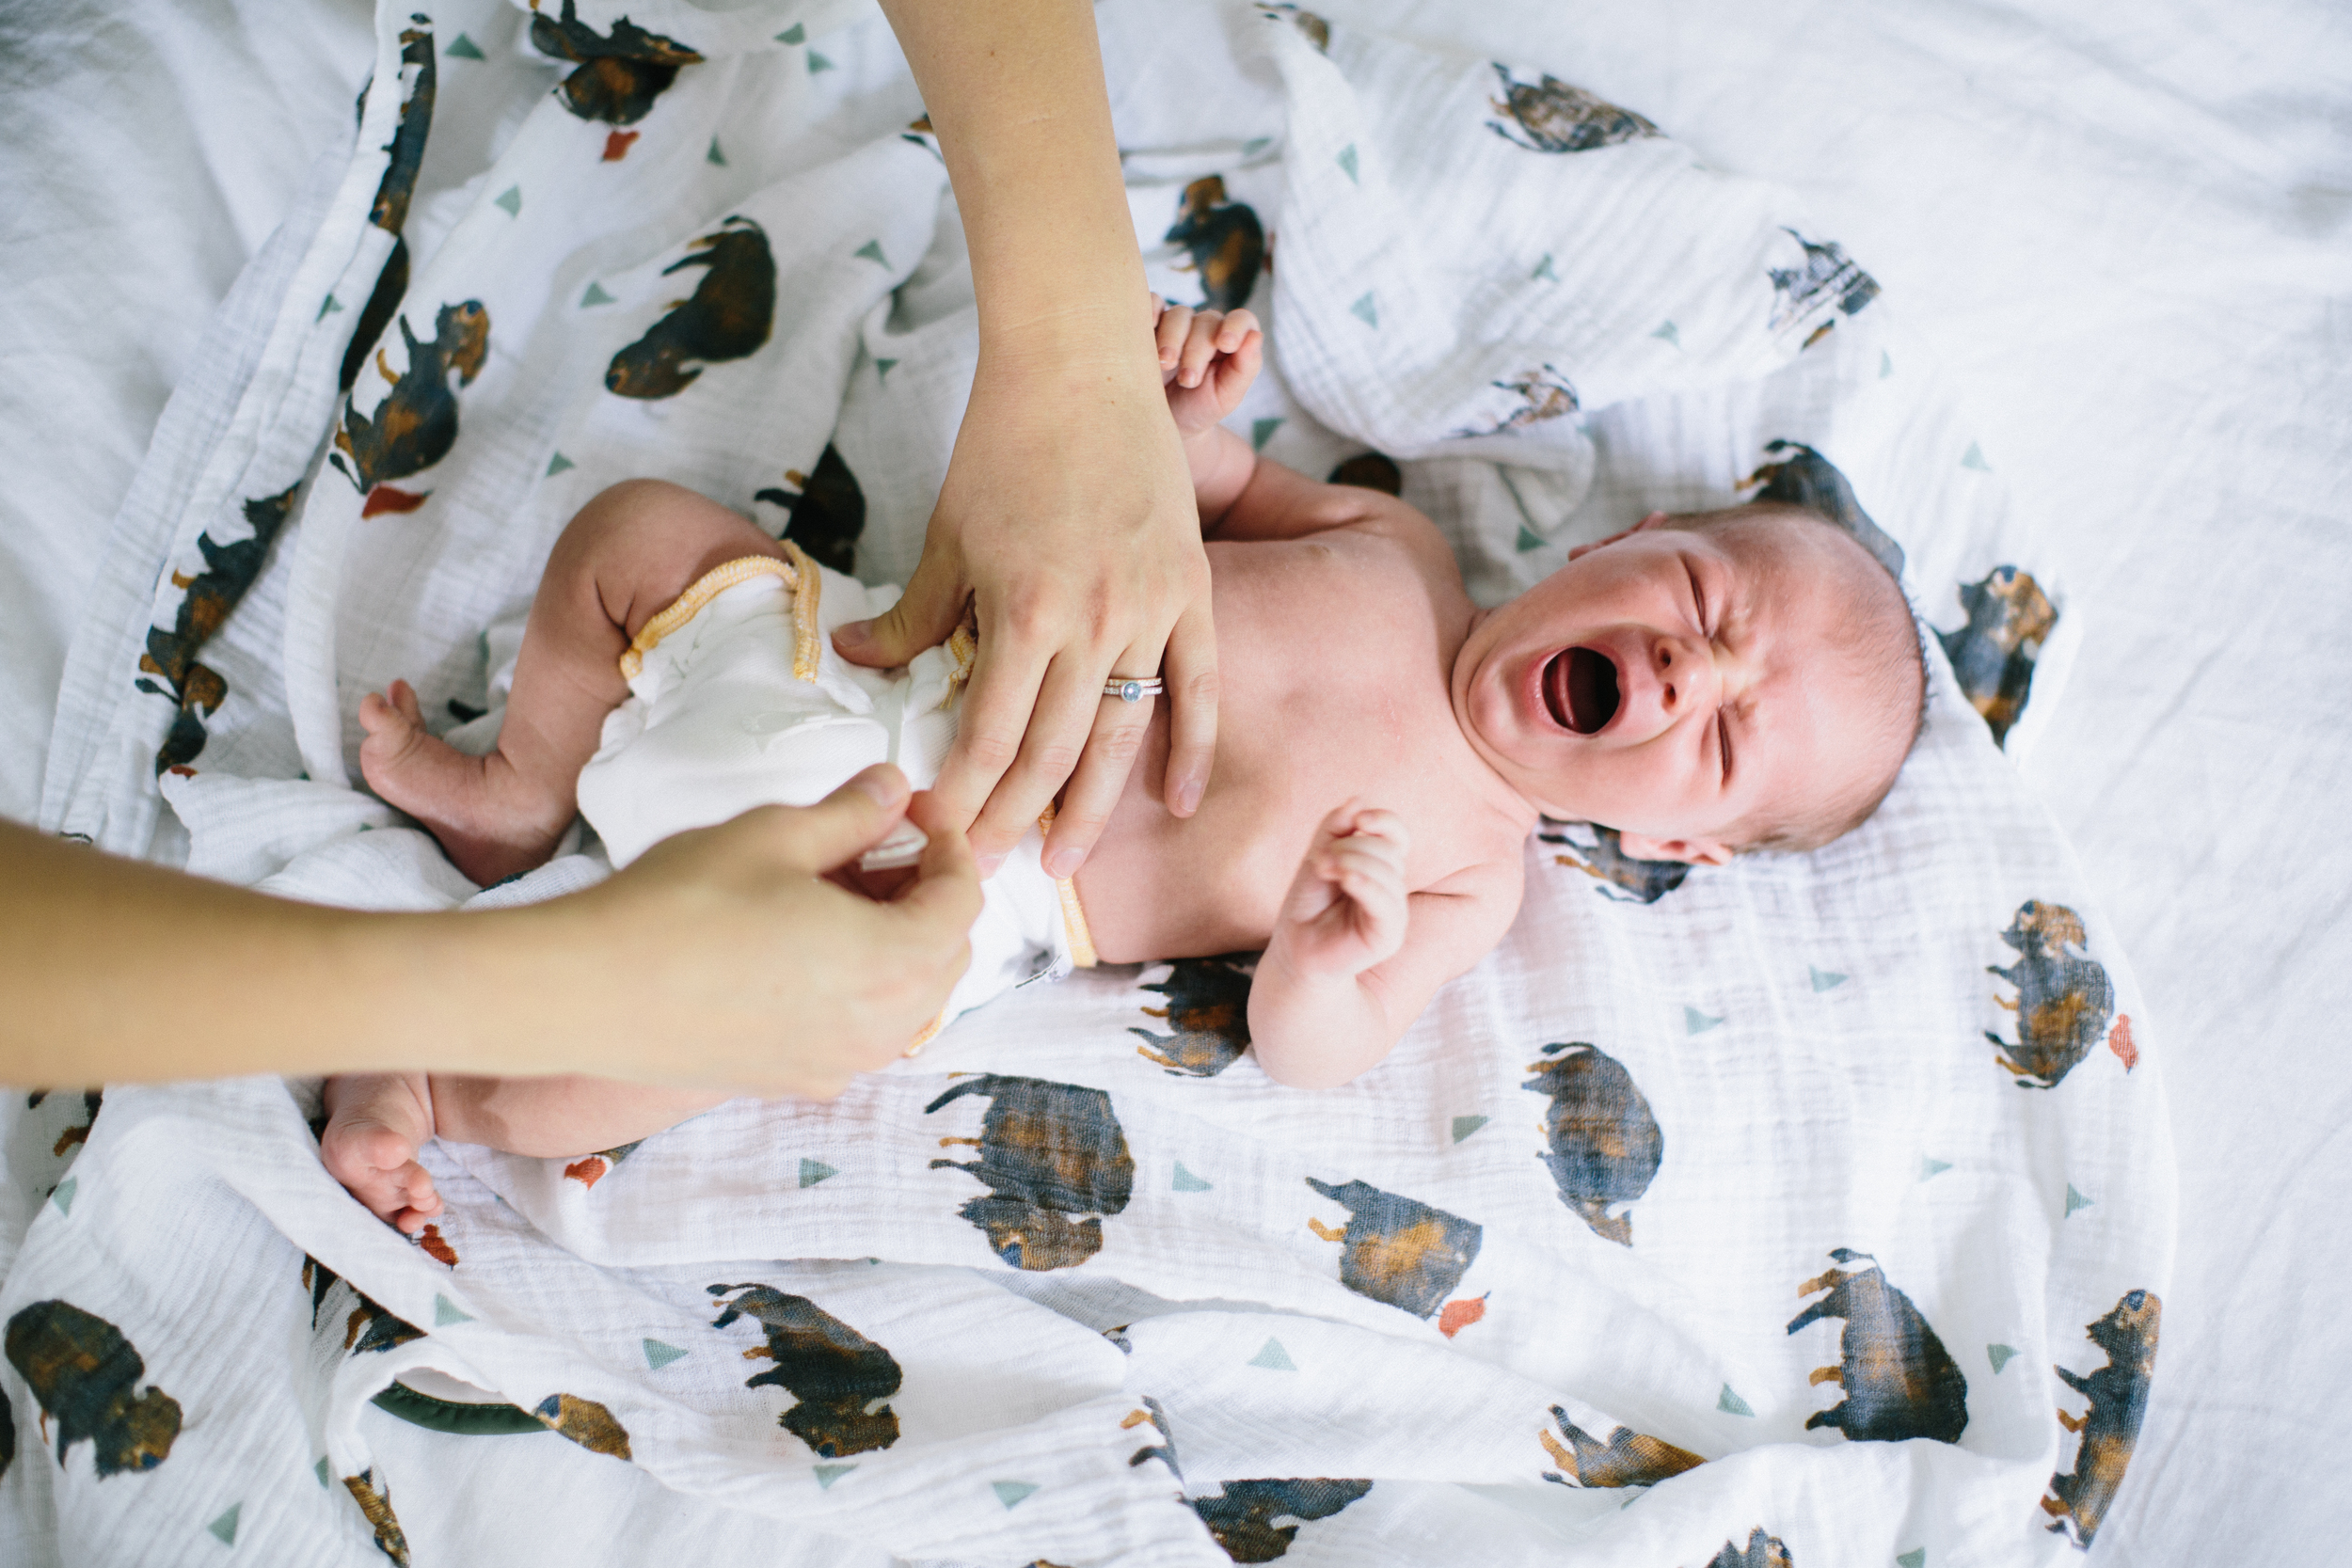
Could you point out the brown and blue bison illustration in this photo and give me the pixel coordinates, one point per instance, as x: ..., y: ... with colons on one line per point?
x: 1630, y: 1458
x: 2118, y: 1393
x: 2064, y: 997
x: 1796, y: 475
x: 91, y: 1101
x: 1829, y: 275
x: 585, y: 1422
x: 1397, y: 1251
x: 81, y: 1371
x: 618, y: 76
x: 8, y: 1433
x: 1605, y: 1144
x: 1208, y: 1010
x: 1899, y: 1380
x: 375, y: 1506
x: 1762, y: 1551
x: 389, y: 210
x: 1054, y: 1159
x: 727, y: 316
x: 1369, y: 470
x: 1623, y: 876
x: 1992, y: 656
x: 1165, y: 1450
x: 1225, y: 240
x: 1244, y: 1519
x: 367, y: 1327
x: 1554, y: 117
x: 211, y: 595
x: 1544, y: 393
x: 839, y: 1376
x: 416, y: 425
x: 826, y: 509
x: 391, y: 286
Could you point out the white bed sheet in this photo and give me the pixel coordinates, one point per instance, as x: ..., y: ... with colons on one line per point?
x: 2129, y: 235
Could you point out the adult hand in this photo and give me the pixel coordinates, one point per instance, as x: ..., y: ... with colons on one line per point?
x: 1068, y: 519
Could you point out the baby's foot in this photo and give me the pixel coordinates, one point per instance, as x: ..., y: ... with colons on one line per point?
x: 473, y: 805
x: 375, y: 1123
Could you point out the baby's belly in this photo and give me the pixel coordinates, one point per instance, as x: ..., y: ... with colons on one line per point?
x: 1160, y: 887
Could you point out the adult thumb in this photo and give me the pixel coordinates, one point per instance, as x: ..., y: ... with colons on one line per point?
x: 850, y: 820
x: 924, y: 617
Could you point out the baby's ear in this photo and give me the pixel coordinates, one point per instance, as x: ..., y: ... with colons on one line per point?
x: 1690, y: 851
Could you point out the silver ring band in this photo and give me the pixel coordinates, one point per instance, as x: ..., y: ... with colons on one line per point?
x: 1129, y: 689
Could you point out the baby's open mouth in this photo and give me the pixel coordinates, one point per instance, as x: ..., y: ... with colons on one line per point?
x: 1581, y: 688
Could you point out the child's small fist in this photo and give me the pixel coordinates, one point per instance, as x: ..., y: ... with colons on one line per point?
x: 1208, y: 359
x: 1346, y: 910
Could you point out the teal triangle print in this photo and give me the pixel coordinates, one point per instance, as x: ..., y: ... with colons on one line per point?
x: 1543, y: 270
x: 1916, y: 1558
x: 1261, y: 431
x: 872, y: 251
x: 1887, y: 364
x: 511, y: 199
x: 327, y: 307
x: 828, y: 1474
x: 1999, y: 1355
x: 1974, y: 458
x: 1367, y: 312
x: 818, y: 62
x: 1932, y: 1168
x: 883, y: 368
x: 63, y: 1197
x: 813, y: 1171
x: 1185, y: 1181
x: 1348, y: 163
x: 714, y: 155
x: 446, y: 1312
x: 2075, y: 1200
x: 658, y: 1355
x: 1669, y: 333
x: 1256, y: 145
x: 1529, y: 540
x: 793, y: 34
x: 225, y: 1528
x: 463, y: 48
x: 557, y: 464
x: 595, y: 296
x: 1011, y: 1493
x: 1824, y: 979
x: 1696, y: 1022
x: 321, y: 1472
x: 1732, y: 1404
x: 1465, y: 1126
x: 1274, y: 1358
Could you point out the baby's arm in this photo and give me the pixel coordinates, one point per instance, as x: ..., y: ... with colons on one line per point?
x: 1355, y: 958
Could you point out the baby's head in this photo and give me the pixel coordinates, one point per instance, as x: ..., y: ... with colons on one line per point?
x: 1744, y: 679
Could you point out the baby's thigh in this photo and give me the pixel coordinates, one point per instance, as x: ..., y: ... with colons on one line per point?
x: 643, y: 542
x: 558, y: 1118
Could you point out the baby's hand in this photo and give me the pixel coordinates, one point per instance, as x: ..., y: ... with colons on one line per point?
x: 1346, y: 910
x: 1207, y: 361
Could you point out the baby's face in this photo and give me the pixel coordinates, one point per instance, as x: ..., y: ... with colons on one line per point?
x: 1684, y: 687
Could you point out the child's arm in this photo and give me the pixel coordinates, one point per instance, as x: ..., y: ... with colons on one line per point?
x: 1355, y: 958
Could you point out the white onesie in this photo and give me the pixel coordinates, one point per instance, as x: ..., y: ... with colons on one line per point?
x: 736, y: 699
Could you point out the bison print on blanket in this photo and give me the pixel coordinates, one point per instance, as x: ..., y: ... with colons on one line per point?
x: 2078, y: 1499
x: 1225, y: 240
x: 1554, y: 116
x: 209, y: 595
x: 416, y: 425
x: 1992, y: 656
x: 1624, y: 878
x: 1605, y: 1144
x: 726, y: 317
x: 1899, y: 1379
x: 1243, y: 1520
x: 619, y: 75
x: 2064, y: 998
x: 365, y: 1326
x: 1826, y: 278
x: 1396, y: 1250
x: 82, y: 1372
x: 1794, y: 474
x: 1054, y: 1160
x: 406, y: 151
x: 1630, y: 1458
x: 585, y: 1422
x: 825, y: 513
x: 839, y: 1377
x: 1208, y: 1012
x: 1762, y: 1551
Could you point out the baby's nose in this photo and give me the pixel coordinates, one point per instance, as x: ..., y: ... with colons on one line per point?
x: 1686, y: 673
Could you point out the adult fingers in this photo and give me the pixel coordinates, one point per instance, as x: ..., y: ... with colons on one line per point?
x: 1112, y: 747
x: 850, y: 820
x: 997, y: 712
x: 1066, y: 699
x: 924, y: 616
x: 1189, y: 667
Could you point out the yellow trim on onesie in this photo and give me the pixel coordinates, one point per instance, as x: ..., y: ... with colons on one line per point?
x: 799, y: 574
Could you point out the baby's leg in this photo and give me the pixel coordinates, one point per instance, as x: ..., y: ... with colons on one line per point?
x: 626, y: 555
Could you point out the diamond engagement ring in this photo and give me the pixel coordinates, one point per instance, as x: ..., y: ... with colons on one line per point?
x: 1129, y: 690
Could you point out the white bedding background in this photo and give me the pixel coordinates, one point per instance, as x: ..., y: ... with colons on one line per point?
x: 2128, y: 238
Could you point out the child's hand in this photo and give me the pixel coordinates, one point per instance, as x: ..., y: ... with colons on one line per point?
x: 1207, y: 361
x: 1346, y: 910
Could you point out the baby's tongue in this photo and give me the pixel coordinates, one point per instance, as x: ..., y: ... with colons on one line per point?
x: 1581, y: 688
